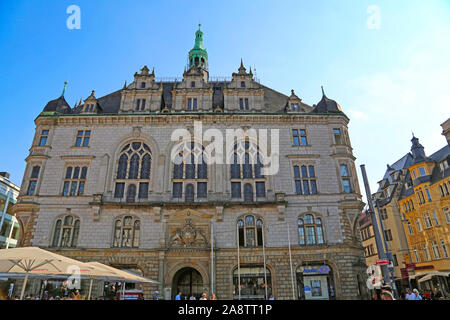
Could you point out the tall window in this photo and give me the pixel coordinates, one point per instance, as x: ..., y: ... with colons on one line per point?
x: 422, y: 171
x: 388, y: 235
x: 133, y: 171
x: 410, y: 230
x: 74, y: 181
x: 127, y: 232
x: 242, y: 84
x: 299, y: 137
x: 345, y: 176
x: 447, y: 215
x: 310, y: 230
x: 426, y: 218
x: 43, y: 139
x: 338, y: 139
x: 419, y: 225
x: 140, y: 104
x: 416, y: 254
x: 250, y: 231
x: 66, y: 232
x: 295, y: 107
x: 83, y: 137
x: 305, y: 180
x: 426, y: 252
x: 33, y: 180
x: 444, y: 248
x: 243, y: 104
x: 246, y: 172
x: 428, y: 194
x: 435, y: 249
x: 190, y: 170
x: 192, y: 104
x: 436, y: 221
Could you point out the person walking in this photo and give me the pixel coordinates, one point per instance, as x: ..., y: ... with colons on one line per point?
x: 271, y: 297
x: 204, y: 297
x: 213, y: 296
x: 156, y: 295
x: 416, y: 295
x: 409, y: 295
x: 178, y: 296
x: 192, y: 297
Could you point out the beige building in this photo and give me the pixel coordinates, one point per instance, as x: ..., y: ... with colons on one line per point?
x: 108, y: 186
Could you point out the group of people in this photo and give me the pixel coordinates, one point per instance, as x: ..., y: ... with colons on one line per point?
x: 204, y: 296
x: 386, y: 293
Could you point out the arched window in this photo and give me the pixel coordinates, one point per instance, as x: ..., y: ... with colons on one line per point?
x: 66, y: 232
x: 246, y: 172
x: 310, y: 230
x: 126, y: 232
x: 135, y: 163
x: 190, y: 171
x: 250, y: 231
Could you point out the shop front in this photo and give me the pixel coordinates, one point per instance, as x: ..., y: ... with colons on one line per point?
x: 315, y: 282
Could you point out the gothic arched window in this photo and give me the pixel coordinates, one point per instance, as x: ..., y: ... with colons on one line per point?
x: 310, y: 230
x: 190, y: 171
x: 246, y: 172
x: 66, y: 232
x: 250, y: 231
x: 127, y: 232
x: 133, y: 169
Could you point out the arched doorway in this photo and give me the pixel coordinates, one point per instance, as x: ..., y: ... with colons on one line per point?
x: 189, y: 281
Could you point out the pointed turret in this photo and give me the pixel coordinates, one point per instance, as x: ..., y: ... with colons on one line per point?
x: 198, y: 56
x: 417, y: 151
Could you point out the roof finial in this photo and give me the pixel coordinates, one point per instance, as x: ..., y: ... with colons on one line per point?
x: 64, y: 89
x: 199, y: 25
x: 323, y: 92
x: 125, y: 85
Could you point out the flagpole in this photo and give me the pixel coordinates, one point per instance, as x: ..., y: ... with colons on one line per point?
x: 212, y: 258
x: 290, y: 261
x: 239, y: 264
x: 264, y: 258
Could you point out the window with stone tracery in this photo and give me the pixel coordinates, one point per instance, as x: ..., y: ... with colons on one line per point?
x: 250, y: 231
x: 133, y: 172
x: 246, y: 172
x: 66, y: 232
x: 190, y: 172
x: 126, y: 232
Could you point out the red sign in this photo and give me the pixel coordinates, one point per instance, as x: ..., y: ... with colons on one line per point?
x: 382, y: 262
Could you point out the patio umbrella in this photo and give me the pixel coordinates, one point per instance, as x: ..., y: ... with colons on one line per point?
x: 116, y: 274
x: 37, y: 262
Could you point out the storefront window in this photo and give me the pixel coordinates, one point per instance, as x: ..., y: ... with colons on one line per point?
x: 252, y: 283
x: 315, y: 282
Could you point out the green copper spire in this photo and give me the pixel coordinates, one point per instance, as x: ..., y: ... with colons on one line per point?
x: 323, y: 92
x: 64, y: 89
x: 198, y: 56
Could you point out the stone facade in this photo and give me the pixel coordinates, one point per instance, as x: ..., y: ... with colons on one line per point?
x: 175, y: 233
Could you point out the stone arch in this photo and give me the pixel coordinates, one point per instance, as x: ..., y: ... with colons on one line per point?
x: 187, y: 264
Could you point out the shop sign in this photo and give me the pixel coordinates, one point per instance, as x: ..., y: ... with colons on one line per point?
x: 322, y: 270
x: 382, y: 262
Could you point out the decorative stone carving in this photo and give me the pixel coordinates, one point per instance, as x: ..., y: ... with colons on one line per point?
x: 188, y: 237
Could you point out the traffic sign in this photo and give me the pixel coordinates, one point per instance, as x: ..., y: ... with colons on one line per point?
x: 382, y: 262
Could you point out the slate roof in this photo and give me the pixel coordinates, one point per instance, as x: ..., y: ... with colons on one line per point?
x: 274, y: 102
x: 58, y: 105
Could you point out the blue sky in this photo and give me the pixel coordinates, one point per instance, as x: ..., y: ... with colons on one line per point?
x: 390, y: 81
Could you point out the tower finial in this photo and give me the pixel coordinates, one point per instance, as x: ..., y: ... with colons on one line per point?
x: 323, y: 92
x: 64, y: 89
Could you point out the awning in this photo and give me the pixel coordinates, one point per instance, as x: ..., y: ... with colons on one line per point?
x: 425, y: 276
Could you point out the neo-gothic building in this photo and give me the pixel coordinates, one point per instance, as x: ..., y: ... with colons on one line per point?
x: 101, y: 184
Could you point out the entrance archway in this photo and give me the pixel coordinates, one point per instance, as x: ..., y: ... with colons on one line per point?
x: 189, y: 281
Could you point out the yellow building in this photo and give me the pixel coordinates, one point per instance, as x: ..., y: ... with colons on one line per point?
x: 425, y: 206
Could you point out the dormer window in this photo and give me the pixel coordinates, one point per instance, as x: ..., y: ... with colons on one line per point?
x: 242, y: 84
x: 243, y: 104
x: 192, y: 104
x: 142, y: 85
x: 295, y: 107
x: 422, y: 171
x: 140, y: 104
